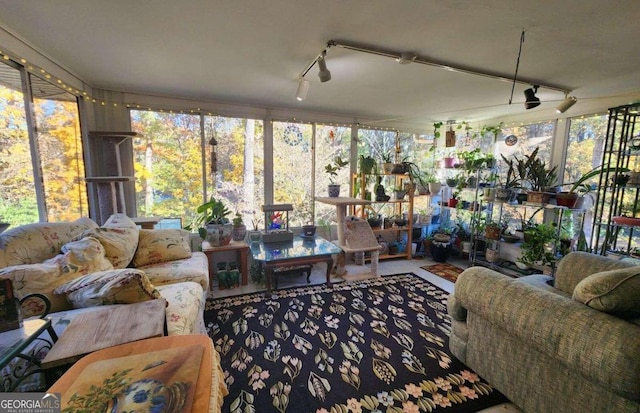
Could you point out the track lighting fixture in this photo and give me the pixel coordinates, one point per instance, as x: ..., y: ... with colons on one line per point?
x: 530, y: 99
x: 566, y: 104
x: 324, y: 74
x: 303, y: 88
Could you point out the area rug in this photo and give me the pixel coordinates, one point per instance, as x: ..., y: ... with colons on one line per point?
x: 377, y: 345
x: 445, y: 270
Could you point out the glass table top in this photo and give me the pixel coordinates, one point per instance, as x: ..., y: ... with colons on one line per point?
x: 298, y: 248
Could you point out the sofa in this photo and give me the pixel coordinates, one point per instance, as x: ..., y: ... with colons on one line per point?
x: 79, y: 266
x: 565, y: 344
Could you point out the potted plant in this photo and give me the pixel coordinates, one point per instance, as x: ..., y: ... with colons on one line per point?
x: 387, y: 162
x: 538, y: 247
x: 506, y: 190
x: 367, y: 165
x: 440, y: 248
x: 212, y: 223
x: 399, y: 193
x: 255, y: 234
x: 581, y: 188
x: 332, y: 169
x: 540, y: 179
x: 239, y: 229
x: 493, y: 230
x: 432, y: 181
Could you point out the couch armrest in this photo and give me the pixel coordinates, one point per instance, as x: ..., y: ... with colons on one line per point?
x: 576, y: 266
x: 604, y: 348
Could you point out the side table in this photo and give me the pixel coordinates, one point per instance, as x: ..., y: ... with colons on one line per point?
x: 14, y: 342
x: 242, y: 255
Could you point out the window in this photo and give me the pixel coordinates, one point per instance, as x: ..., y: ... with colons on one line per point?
x: 585, y: 146
x: 293, y: 169
x: 59, y: 162
x: 238, y: 171
x: 174, y: 163
x: 330, y: 141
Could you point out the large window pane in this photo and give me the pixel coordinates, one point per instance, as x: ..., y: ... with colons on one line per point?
x: 330, y: 141
x: 60, y: 149
x: 238, y: 170
x: 292, y: 170
x: 168, y: 164
x: 585, y: 146
x: 18, y: 202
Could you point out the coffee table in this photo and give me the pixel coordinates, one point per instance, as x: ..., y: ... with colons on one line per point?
x: 300, y: 251
x: 100, y: 329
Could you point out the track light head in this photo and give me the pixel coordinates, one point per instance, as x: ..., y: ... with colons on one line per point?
x: 566, y: 104
x: 303, y: 88
x: 406, y: 58
x: 530, y: 99
x: 324, y: 74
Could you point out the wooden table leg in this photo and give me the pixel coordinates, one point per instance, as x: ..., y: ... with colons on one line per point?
x: 243, y: 265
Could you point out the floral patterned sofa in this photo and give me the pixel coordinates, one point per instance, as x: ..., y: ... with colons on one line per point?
x: 81, y: 267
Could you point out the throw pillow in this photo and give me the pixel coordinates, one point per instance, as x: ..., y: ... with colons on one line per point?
x: 120, y: 286
x: 616, y: 292
x: 161, y: 245
x: 80, y: 257
x: 119, y: 236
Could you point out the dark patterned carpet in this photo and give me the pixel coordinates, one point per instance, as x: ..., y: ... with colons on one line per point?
x: 378, y: 345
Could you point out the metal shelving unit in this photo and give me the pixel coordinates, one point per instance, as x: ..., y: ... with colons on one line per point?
x: 616, y: 198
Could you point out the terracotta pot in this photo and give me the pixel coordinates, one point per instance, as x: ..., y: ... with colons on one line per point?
x: 492, y: 232
x: 538, y: 197
x: 567, y: 199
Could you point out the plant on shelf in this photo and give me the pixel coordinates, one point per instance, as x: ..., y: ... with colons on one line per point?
x: 581, y: 188
x: 472, y: 161
x: 387, y: 162
x: 493, y: 229
x: 539, y: 245
x: 367, y: 165
x: 332, y: 170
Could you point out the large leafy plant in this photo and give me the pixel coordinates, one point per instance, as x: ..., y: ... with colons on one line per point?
x: 211, y: 212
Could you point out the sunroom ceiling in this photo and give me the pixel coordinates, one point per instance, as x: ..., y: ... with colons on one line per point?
x: 252, y: 52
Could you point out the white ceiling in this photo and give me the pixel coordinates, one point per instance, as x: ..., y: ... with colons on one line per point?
x: 252, y: 52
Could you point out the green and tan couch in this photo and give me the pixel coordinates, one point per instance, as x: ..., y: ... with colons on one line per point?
x: 569, y: 344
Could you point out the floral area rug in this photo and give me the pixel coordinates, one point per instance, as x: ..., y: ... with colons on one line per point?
x: 377, y: 345
x: 444, y: 270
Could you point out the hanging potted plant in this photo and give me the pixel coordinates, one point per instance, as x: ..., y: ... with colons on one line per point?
x: 332, y: 169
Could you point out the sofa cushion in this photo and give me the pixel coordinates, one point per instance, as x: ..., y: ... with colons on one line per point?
x: 616, y: 292
x: 34, y: 243
x: 119, y: 286
x: 119, y: 236
x: 161, y: 245
x: 194, y: 268
x: 80, y: 257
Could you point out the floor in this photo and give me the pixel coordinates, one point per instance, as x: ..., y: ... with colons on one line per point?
x: 354, y: 272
